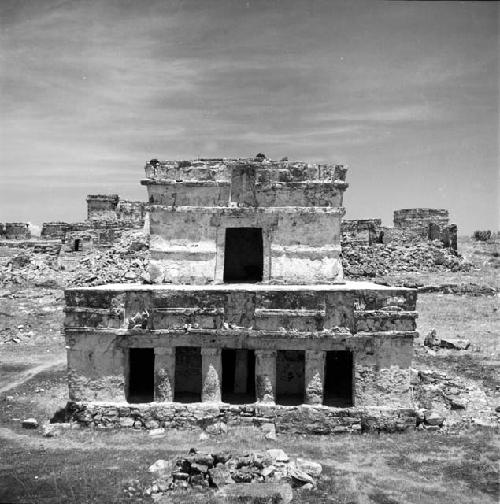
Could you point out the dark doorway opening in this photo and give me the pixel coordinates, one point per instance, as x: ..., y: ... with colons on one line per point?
x: 78, y: 245
x: 290, y: 377
x: 338, y: 379
x: 187, y: 374
x: 243, y: 255
x: 141, y: 376
x: 238, y: 376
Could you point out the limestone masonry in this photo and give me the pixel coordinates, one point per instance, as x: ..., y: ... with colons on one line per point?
x: 413, y: 225
x: 249, y: 318
x: 17, y: 231
x: 107, y: 216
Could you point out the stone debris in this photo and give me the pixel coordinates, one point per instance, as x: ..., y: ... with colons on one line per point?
x: 469, y: 289
x: 383, y: 259
x: 264, y: 473
x: 30, y: 423
x: 434, y: 342
x: 450, y: 401
x: 124, y: 261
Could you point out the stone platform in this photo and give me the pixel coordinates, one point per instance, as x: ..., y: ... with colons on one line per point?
x: 343, y: 349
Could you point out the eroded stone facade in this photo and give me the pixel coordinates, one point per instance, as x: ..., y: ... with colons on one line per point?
x: 412, y: 225
x: 249, y: 308
x: 17, y: 231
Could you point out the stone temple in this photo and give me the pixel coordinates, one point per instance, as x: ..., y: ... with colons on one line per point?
x: 247, y: 318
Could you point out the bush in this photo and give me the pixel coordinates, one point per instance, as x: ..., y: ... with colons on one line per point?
x: 482, y: 235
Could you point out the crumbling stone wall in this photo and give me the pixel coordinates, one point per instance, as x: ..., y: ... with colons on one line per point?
x: 362, y: 231
x: 428, y: 224
x: 287, y: 419
x: 375, y: 323
x: 418, y: 219
x: 2, y: 230
x: 102, y: 206
x: 132, y: 212
x: 79, y: 241
x: 55, y: 230
x: 17, y: 231
x: 110, y: 208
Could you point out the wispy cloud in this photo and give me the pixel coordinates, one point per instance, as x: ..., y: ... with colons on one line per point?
x: 386, y: 114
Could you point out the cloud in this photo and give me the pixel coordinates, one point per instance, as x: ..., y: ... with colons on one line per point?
x: 387, y: 114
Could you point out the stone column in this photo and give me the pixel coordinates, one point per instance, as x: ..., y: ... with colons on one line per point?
x: 211, y: 369
x: 241, y: 372
x: 265, y: 375
x: 164, y: 374
x: 315, y: 376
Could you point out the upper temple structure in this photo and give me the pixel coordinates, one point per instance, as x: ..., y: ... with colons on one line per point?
x: 245, y: 220
x: 247, y: 315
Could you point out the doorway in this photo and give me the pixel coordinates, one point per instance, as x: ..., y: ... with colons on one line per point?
x: 243, y: 255
x: 141, y: 375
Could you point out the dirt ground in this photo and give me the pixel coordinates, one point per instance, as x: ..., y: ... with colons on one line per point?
x: 84, y: 466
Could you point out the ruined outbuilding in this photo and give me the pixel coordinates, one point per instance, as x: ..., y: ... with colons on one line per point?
x: 248, y: 318
x: 411, y: 225
x: 17, y: 231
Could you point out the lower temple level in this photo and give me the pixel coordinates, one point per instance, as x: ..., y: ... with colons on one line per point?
x: 333, y: 348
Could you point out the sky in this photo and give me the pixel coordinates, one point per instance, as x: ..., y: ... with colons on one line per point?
x: 405, y: 93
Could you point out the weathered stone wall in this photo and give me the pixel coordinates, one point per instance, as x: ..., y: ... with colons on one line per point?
x: 418, y: 219
x: 362, y: 231
x: 96, y: 368
x: 2, y: 230
x: 131, y: 212
x: 290, y: 419
x: 55, y: 230
x: 102, y: 206
x: 80, y: 241
x: 376, y: 324
x: 187, y: 245
x: 17, y: 231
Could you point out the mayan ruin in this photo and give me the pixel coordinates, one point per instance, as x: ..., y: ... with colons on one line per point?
x: 252, y: 306
x: 249, y: 252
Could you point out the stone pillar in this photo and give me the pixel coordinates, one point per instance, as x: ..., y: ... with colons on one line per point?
x: 315, y: 376
x: 241, y: 372
x: 265, y: 375
x: 211, y: 369
x: 164, y: 374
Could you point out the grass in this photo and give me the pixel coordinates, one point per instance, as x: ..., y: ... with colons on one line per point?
x: 93, y: 466
x: 474, y: 318
x: 90, y: 466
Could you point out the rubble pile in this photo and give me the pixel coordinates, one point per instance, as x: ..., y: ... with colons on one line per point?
x: 433, y: 341
x: 382, y: 259
x: 200, y: 470
x: 126, y: 262
x: 29, y: 267
x: 450, y: 401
